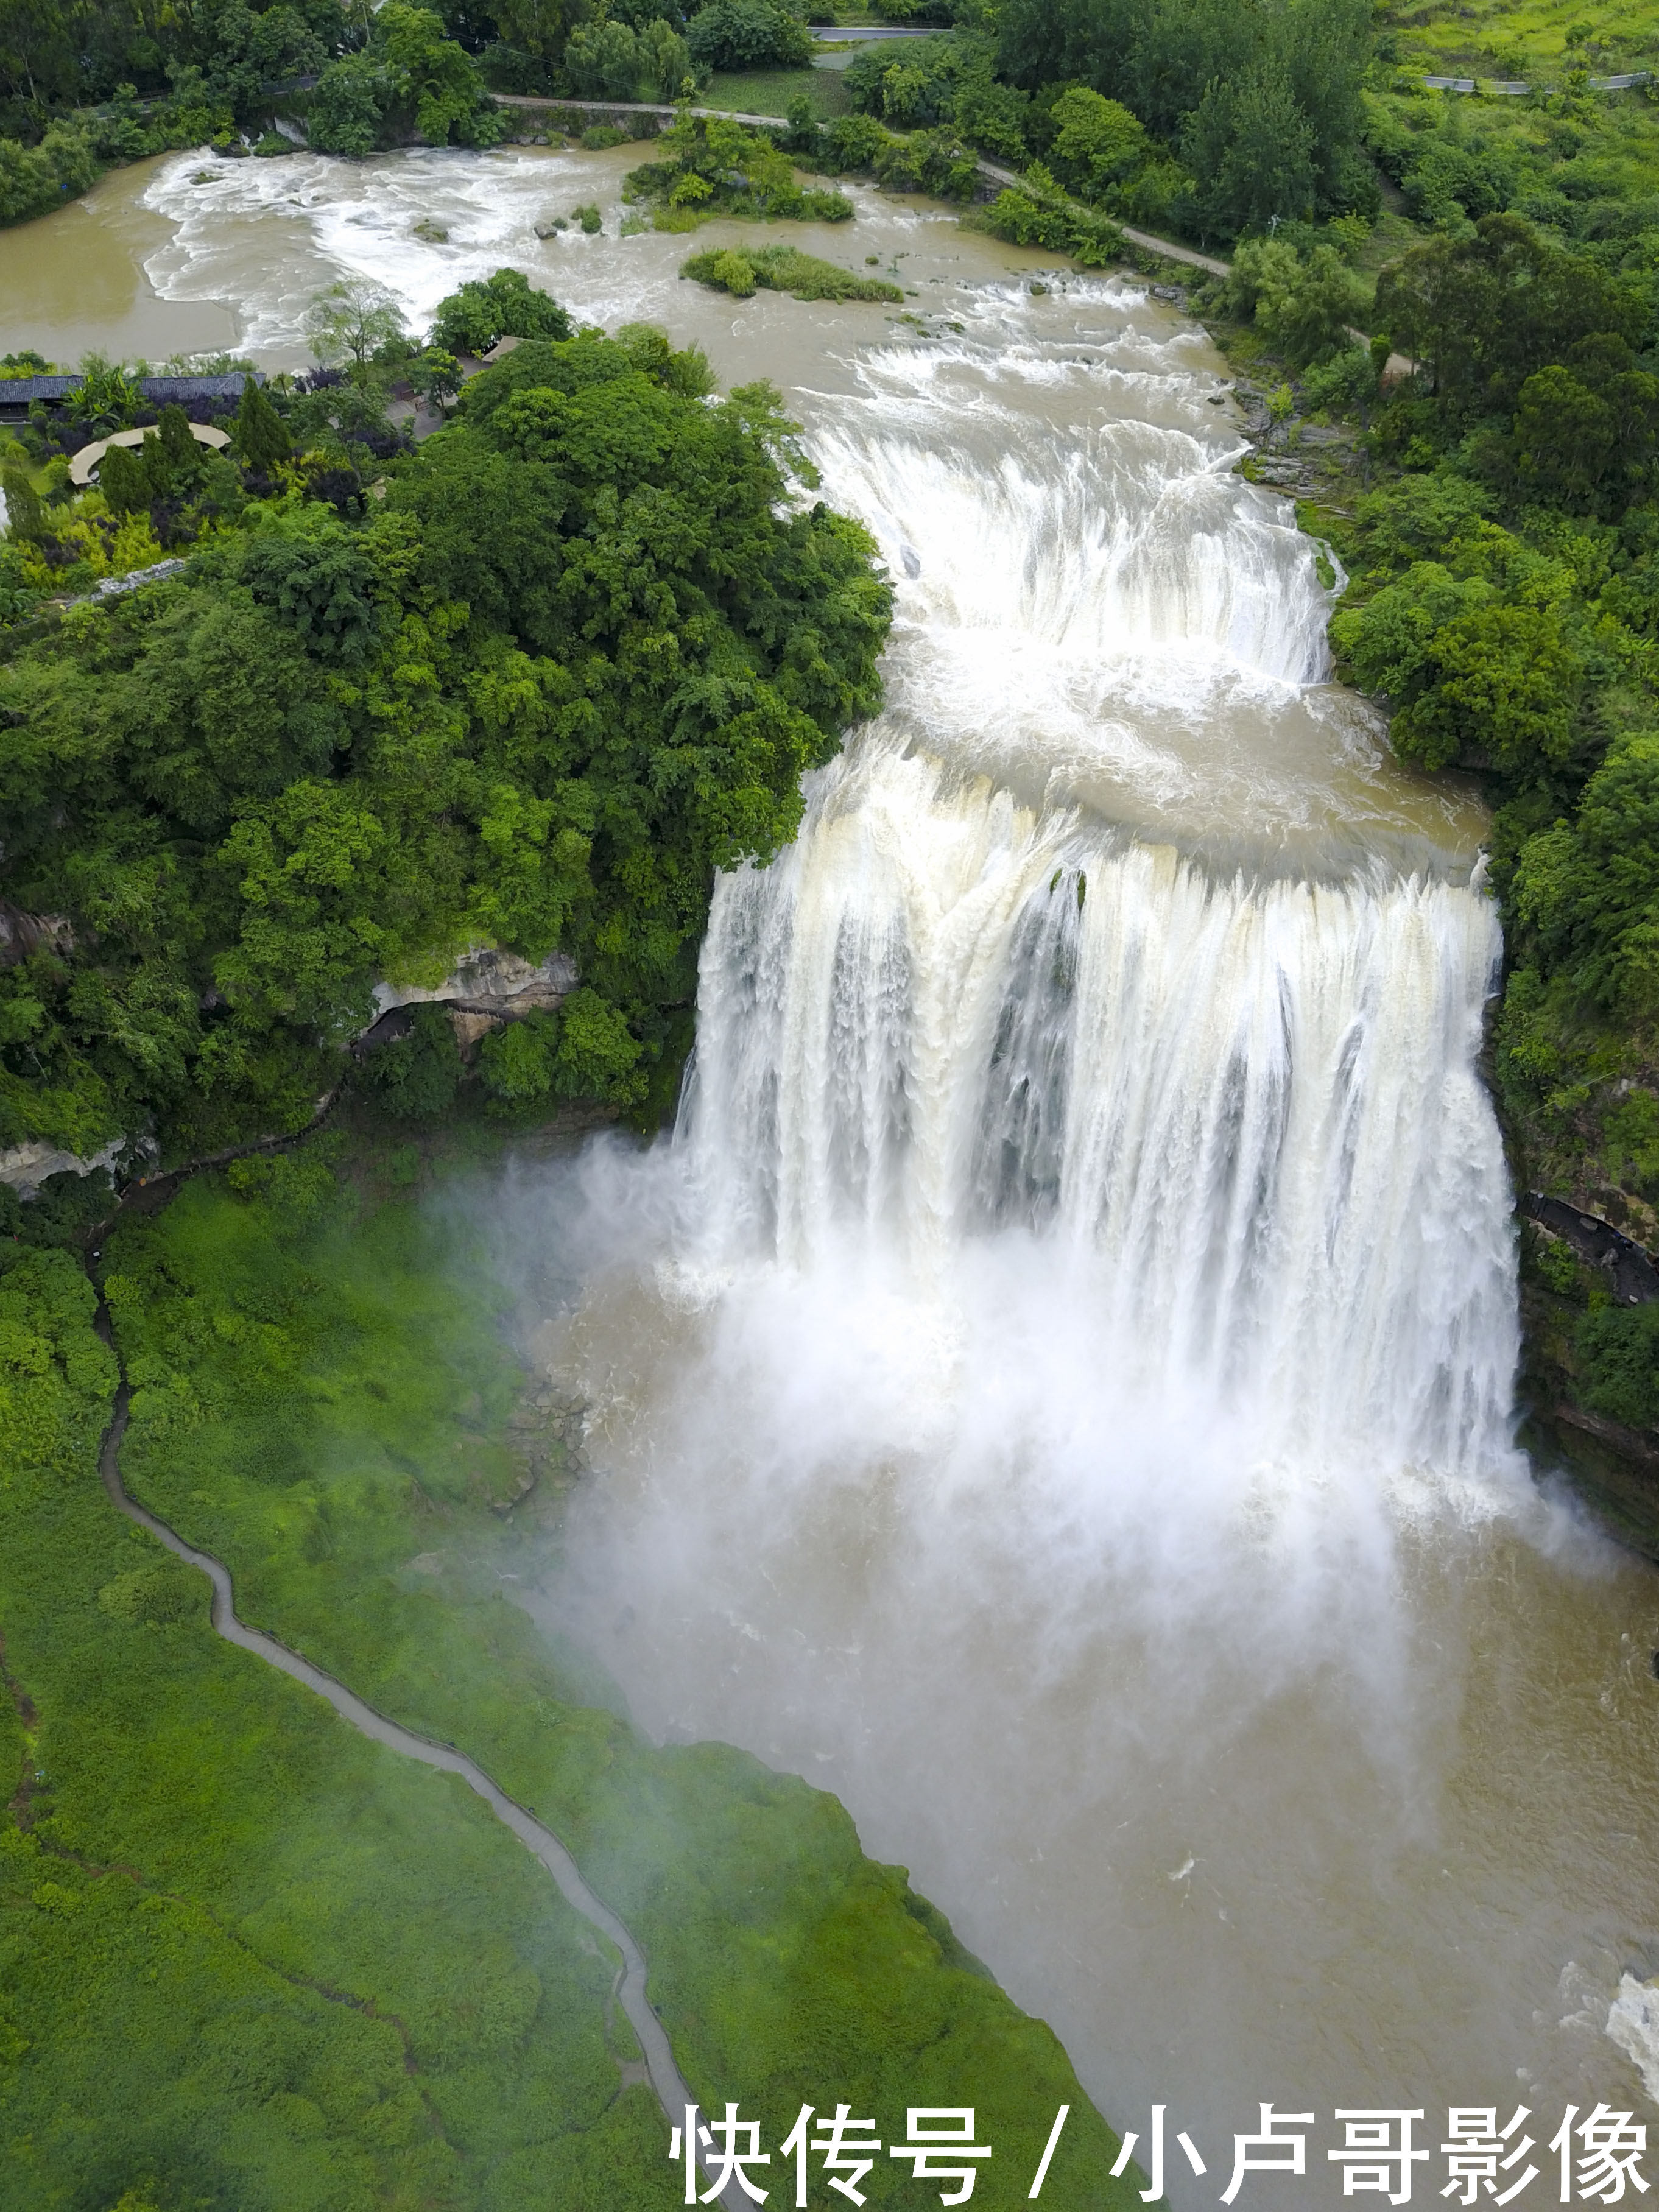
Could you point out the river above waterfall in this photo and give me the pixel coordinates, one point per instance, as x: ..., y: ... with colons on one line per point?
x: 1054, y: 1390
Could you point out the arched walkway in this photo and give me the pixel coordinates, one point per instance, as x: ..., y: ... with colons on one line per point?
x: 83, y: 469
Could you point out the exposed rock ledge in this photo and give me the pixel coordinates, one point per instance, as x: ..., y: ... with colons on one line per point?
x: 26, y: 1167
x: 486, y: 987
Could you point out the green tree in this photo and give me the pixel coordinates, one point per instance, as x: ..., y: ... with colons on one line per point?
x: 1484, y: 313
x: 351, y: 321
x: 1304, y: 308
x: 123, y: 480
x: 261, y: 437
x: 1251, y: 151
x: 1586, y: 430
x: 417, y: 1075
x: 486, y: 308
x: 107, y: 396
x: 746, y: 35
x: 436, y: 375
x: 580, y: 658
x: 667, y: 71
x: 1470, y: 674
x: 176, y: 451
x: 537, y: 27
x: 1097, y: 143
x: 436, y: 77
x: 603, y: 61
x: 348, y: 110
x: 1587, y: 891
x: 25, y: 518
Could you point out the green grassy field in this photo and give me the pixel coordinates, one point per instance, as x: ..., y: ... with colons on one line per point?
x: 1583, y: 163
x: 248, y: 1959
x: 769, y: 92
x: 1497, y: 37
x: 285, y: 1969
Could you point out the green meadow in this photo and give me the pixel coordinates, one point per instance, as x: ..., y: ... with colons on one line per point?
x: 1495, y: 38
x: 251, y: 1961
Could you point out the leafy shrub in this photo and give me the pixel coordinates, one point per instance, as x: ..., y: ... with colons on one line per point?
x: 584, y: 1050
x: 928, y: 161
x: 18, y: 596
x: 851, y: 143
x: 157, y: 1596
x: 416, y: 1076
x: 600, y: 138
x: 1344, y: 380
x: 720, y: 167
x: 36, y: 177
x: 1616, y: 1349
x: 747, y: 34
x: 1034, y: 214
x: 290, y: 1191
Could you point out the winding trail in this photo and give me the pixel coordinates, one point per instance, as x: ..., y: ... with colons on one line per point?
x: 662, y: 2071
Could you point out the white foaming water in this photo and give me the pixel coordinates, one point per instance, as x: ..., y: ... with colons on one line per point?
x: 1633, y: 2024
x: 1130, y: 539
x: 1247, y: 1110
x: 1246, y: 1115
x: 319, y: 219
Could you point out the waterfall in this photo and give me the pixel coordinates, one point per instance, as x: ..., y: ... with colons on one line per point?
x: 1250, y: 1109
x: 1055, y: 1390
x: 1238, y: 1105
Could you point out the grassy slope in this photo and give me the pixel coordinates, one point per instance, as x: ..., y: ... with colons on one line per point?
x: 322, y: 1409
x: 248, y: 1959
x: 1497, y: 37
x: 769, y: 92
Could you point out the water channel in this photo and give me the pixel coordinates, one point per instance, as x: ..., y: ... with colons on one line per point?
x: 1055, y: 1390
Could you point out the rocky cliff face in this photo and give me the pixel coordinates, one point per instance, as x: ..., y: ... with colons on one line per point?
x: 486, y: 987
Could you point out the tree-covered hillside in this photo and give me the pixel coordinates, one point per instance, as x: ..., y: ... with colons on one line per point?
x: 574, y: 655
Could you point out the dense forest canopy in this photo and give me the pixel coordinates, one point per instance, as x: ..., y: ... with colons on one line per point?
x: 577, y: 657
x: 1253, y: 115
